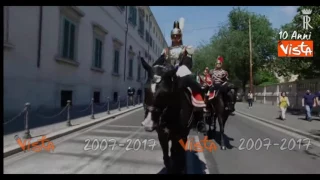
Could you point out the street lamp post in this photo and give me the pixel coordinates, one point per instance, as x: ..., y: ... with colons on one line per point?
x: 250, y: 49
x: 149, y: 27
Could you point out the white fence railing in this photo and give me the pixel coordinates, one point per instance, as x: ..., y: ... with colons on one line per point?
x: 295, y: 90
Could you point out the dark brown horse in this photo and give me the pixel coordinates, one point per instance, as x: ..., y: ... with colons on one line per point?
x: 217, y: 110
x: 167, y: 111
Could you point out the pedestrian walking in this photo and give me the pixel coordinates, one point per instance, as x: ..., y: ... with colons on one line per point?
x: 250, y: 99
x: 309, y: 101
x: 318, y: 102
x: 139, y: 93
x: 130, y: 94
x: 283, y: 104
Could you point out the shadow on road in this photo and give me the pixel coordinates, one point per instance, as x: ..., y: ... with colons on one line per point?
x: 196, y: 165
x: 216, y: 138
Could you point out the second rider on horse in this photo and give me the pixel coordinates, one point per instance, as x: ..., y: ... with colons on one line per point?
x: 220, y: 78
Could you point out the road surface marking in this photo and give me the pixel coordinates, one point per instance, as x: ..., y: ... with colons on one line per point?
x: 70, y: 136
x: 292, y: 134
x: 123, y: 126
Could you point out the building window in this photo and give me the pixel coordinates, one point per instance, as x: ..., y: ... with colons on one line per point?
x: 5, y: 23
x: 68, y: 39
x: 139, y: 69
x: 130, y: 68
x: 98, y: 45
x: 141, y: 22
x: 147, y: 17
x: 150, y: 41
x: 154, y: 30
x: 133, y: 15
x: 147, y: 36
x: 141, y: 26
x: 116, y: 62
x: 150, y: 24
x: 97, y: 59
x: 70, y: 18
x: 117, y: 45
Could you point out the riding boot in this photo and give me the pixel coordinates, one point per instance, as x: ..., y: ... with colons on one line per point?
x: 230, y: 101
x: 230, y: 96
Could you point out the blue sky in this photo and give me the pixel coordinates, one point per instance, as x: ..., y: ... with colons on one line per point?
x: 197, y: 17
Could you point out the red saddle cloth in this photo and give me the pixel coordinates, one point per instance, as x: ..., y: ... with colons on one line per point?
x: 197, y: 99
x: 211, y: 94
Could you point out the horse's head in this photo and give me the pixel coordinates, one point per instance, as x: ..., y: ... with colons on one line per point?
x: 158, y: 92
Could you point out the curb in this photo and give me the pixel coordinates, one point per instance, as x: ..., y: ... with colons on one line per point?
x: 14, y: 149
x: 308, y: 135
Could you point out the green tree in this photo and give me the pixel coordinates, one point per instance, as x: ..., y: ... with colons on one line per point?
x: 232, y: 42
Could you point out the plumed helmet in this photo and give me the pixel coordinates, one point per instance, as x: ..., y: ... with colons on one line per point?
x: 176, y: 29
x: 220, y: 59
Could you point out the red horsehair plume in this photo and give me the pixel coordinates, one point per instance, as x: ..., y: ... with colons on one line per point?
x: 220, y: 58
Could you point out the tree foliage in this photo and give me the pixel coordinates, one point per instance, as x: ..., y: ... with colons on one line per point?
x: 232, y: 42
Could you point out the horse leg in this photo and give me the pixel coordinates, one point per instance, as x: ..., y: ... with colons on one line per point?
x: 164, y: 143
x: 178, y: 155
x: 225, y: 118
x: 214, y: 124
x: 221, y: 125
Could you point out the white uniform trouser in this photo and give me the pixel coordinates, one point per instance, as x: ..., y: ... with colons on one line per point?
x: 283, y: 112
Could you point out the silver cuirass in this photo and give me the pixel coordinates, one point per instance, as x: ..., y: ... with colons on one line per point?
x: 175, y: 54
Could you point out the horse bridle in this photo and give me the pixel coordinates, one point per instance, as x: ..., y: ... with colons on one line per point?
x: 153, y: 108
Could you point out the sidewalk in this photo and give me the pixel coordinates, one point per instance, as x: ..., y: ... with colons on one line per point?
x: 8, y: 139
x: 271, y: 113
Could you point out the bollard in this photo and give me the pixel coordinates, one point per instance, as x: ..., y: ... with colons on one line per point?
x: 119, y: 106
x: 27, y: 134
x: 127, y: 101
x: 92, y: 106
x: 108, y: 103
x: 68, y: 113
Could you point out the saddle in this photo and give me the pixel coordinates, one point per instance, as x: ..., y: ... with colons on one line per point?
x: 198, y: 101
x: 212, y: 93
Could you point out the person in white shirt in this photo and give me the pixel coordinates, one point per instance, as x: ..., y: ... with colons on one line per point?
x: 250, y: 99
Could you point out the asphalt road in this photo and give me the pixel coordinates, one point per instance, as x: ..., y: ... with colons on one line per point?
x: 71, y: 156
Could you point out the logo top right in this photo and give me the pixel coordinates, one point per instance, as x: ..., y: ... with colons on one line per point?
x: 300, y: 44
x: 306, y: 18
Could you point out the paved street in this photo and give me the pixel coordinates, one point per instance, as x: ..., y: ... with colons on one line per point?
x: 271, y: 113
x: 69, y: 156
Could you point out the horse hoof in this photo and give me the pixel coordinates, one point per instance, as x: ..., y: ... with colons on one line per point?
x: 223, y: 148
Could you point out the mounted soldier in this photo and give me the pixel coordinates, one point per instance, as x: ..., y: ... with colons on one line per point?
x: 220, y: 78
x: 180, y: 56
x: 205, y: 80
